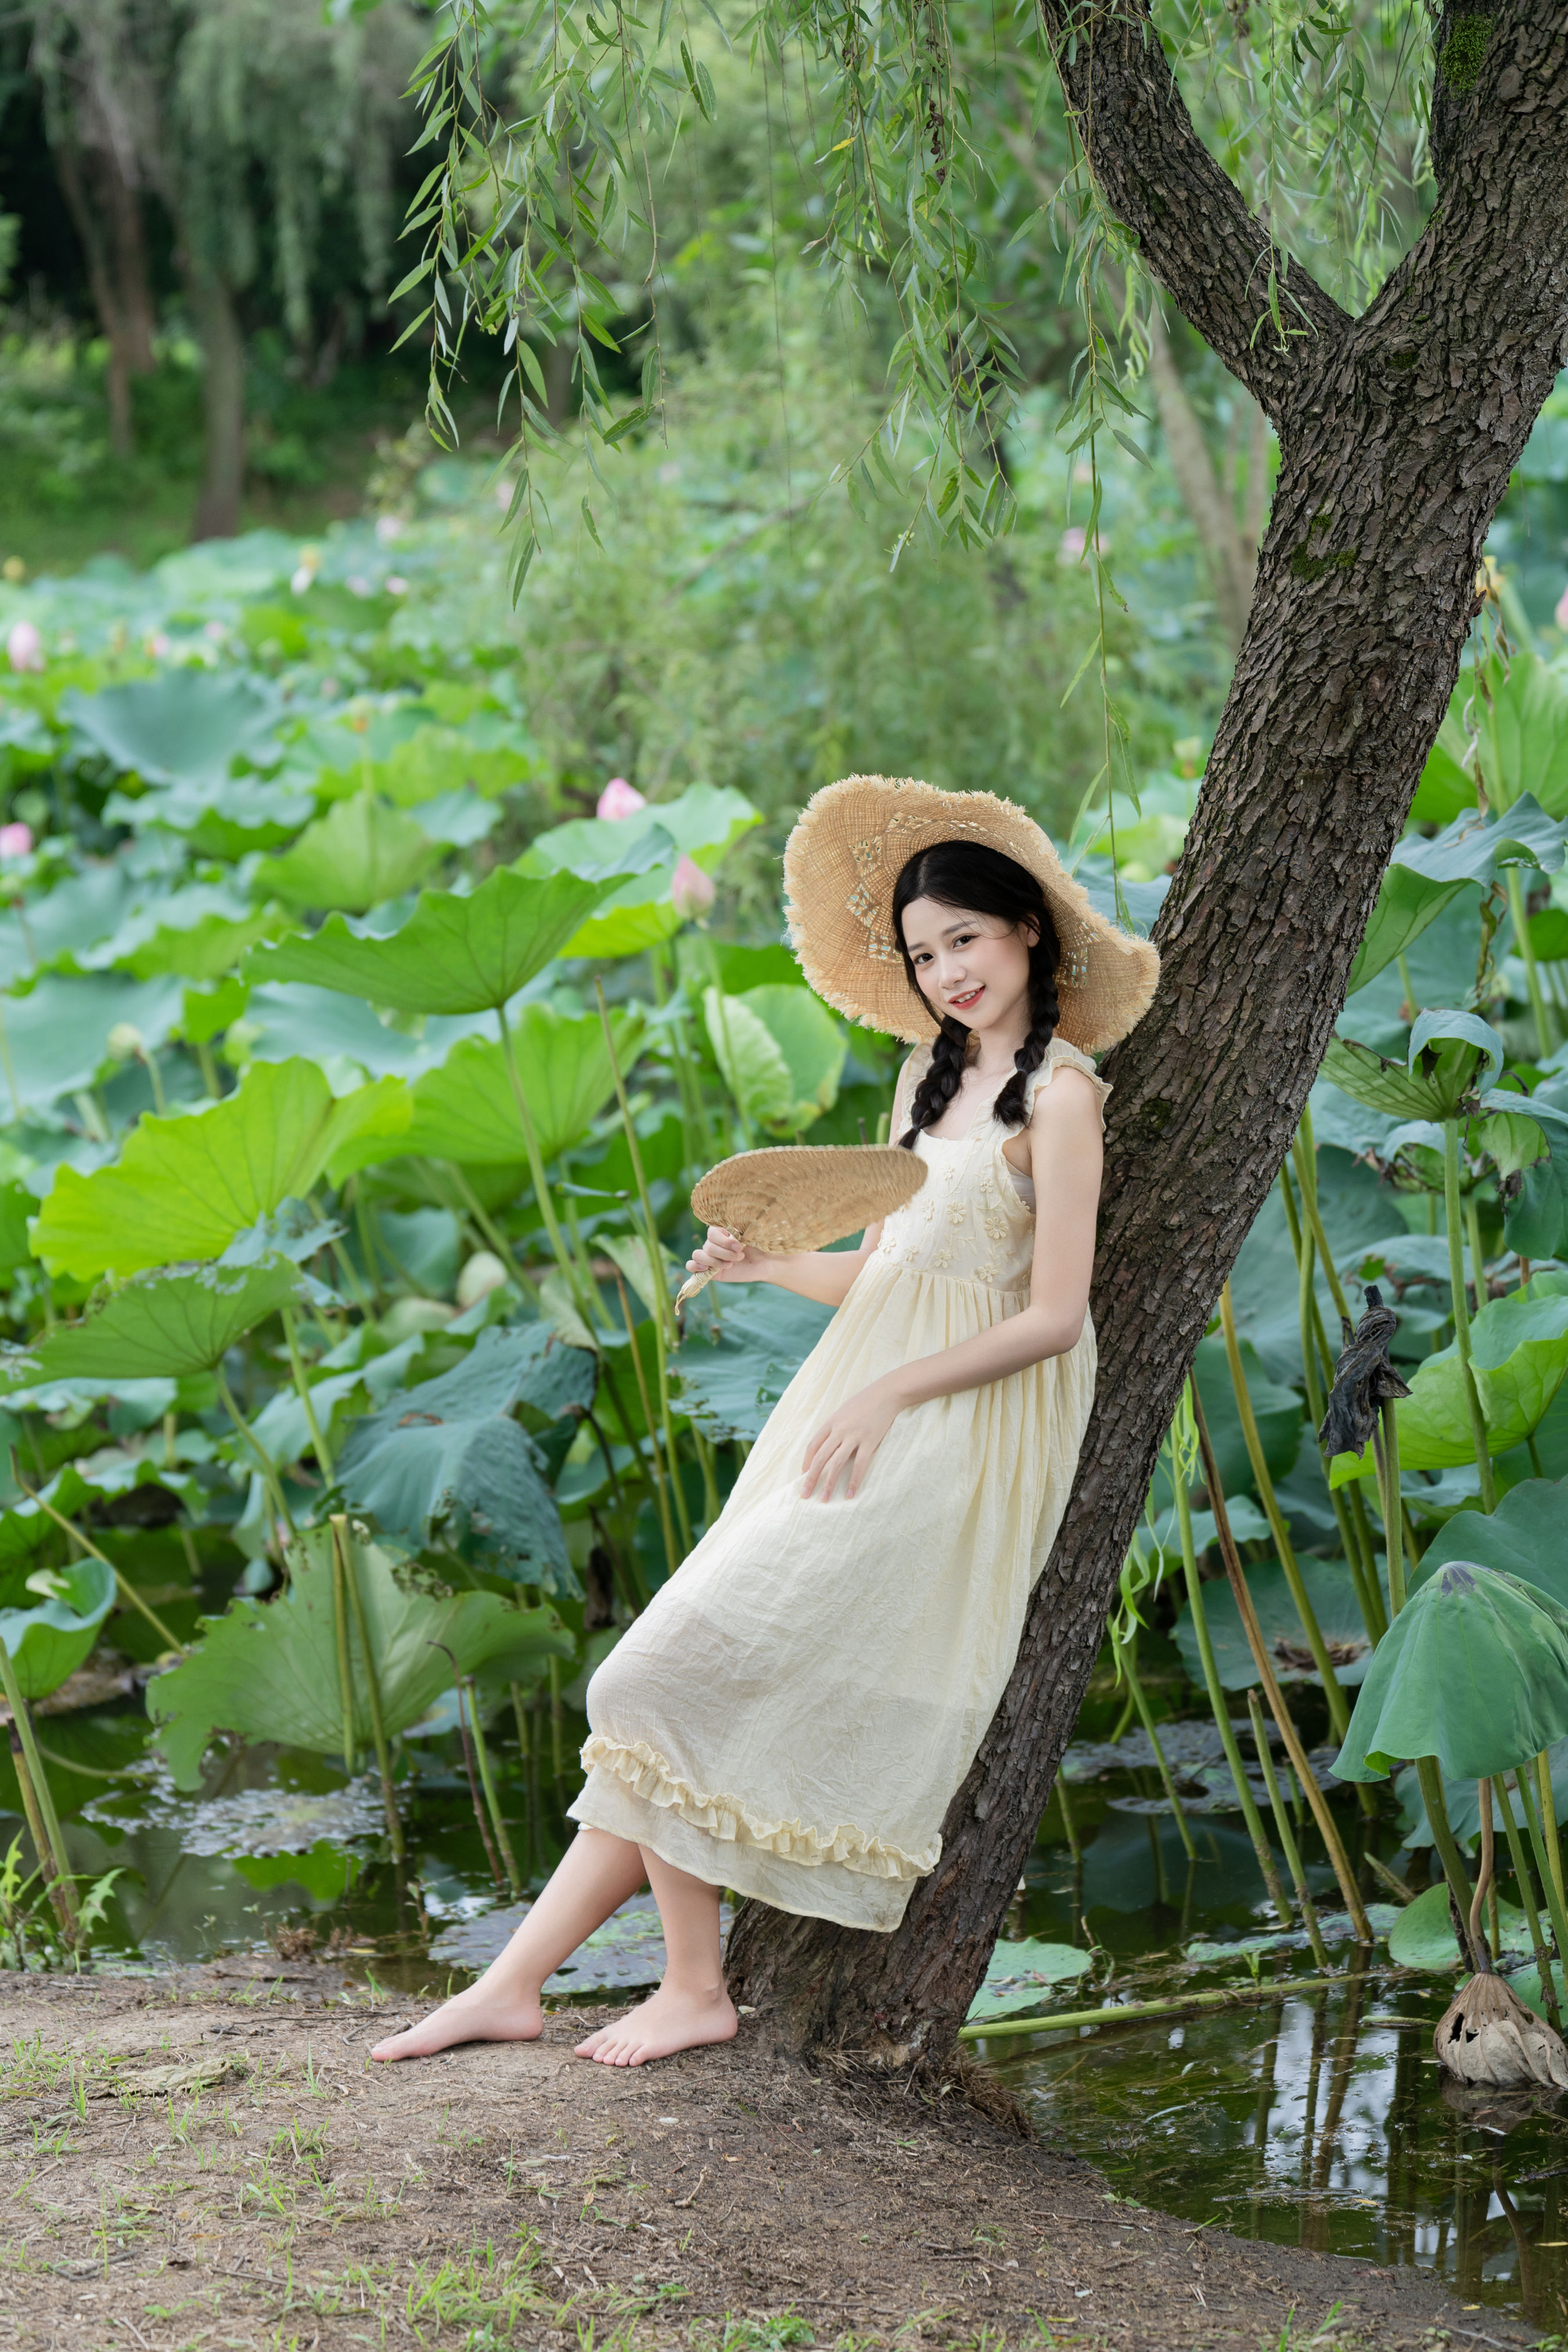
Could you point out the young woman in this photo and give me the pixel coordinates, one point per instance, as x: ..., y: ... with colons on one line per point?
x: 792, y: 1714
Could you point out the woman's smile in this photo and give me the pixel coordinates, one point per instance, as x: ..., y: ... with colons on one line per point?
x: 963, y: 1003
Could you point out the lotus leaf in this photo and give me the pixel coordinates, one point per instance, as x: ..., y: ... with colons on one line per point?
x: 1521, y: 716
x: 1461, y: 1799
x: 1473, y: 1671
x: 164, y: 1324
x: 454, y: 954
x: 450, y: 1455
x: 1452, y: 1057
x: 49, y: 1641
x: 223, y: 820
x: 182, y: 1188
x: 57, y: 1036
x: 1526, y: 1536
x: 1423, y: 877
x: 1330, y: 1589
x: 1021, y: 1975
x: 466, y: 1110
x: 701, y: 824
x: 458, y: 818
x: 199, y: 932
x: 87, y: 907
x: 359, y: 854
x: 781, y: 1053
x: 270, y: 1671
x: 732, y: 1368
x: 1518, y: 1353
x: 185, y: 726
x: 1423, y: 1936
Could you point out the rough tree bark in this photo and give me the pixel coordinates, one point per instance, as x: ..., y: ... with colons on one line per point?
x: 106, y: 208
x: 1398, y: 431
x: 222, y: 341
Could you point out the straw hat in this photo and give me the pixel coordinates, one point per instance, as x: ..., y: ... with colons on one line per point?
x: 846, y: 851
x: 803, y: 1196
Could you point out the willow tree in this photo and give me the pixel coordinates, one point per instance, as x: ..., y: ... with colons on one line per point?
x: 240, y: 119
x: 1398, y: 312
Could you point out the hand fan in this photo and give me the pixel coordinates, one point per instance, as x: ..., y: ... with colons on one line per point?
x: 803, y: 1196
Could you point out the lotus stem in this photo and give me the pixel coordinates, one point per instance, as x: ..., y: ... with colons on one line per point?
x: 492, y: 1801
x: 1545, y: 1030
x: 122, y: 1585
x: 48, y: 1869
x: 265, y: 1462
x: 661, y: 1495
x: 324, y: 1452
x: 1073, y: 2020
x: 51, y: 1843
x: 468, y: 1765
x: 1461, y: 1312
x: 520, y: 1718
x: 1126, y: 1663
x: 345, y: 1661
x: 1332, y: 1843
x: 541, y: 1192
x: 1549, y: 1823
x: 1484, y: 1882
x: 1556, y: 1910
x: 1306, y: 1155
x: 1221, y: 1712
x: 1075, y: 1846
x: 1287, y: 1834
x: 1411, y: 1007
x: 1527, y: 1897
x: 1394, y: 1532
x: 486, y: 1225
x: 557, y: 1724
x: 342, y: 1552
x: 1430, y: 1781
x: 1339, y: 1712
x: 1368, y: 1600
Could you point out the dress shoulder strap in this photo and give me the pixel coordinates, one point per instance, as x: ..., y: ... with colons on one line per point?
x: 1060, y: 1055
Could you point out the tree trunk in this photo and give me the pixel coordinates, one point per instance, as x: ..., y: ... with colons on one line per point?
x: 1398, y: 431
x: 217, y: 329
x: 106, y: 211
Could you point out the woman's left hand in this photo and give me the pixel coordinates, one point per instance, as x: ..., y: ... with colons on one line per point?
x: 846, y: 1442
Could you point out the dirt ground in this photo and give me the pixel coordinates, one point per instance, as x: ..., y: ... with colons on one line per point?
x: 211, y: 2160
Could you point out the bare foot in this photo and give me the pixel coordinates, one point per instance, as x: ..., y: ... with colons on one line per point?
x: 671, y: 2021
x: 485, y: 2012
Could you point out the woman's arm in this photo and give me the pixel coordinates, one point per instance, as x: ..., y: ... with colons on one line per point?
x: 1066, y: 1155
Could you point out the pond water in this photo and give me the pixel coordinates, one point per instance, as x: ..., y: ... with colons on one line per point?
x: 1316, y: 2117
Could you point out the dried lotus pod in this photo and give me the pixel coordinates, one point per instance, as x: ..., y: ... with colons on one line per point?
x: 1487, y: 2036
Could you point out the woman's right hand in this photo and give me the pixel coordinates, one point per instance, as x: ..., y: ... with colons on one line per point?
x: 724, y: 1259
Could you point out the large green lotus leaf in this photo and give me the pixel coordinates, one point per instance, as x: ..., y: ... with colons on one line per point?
x: 1535, y: 1221
x: 48, y: 1643
x: 458, y: 819
x: 160, y: 1324
x: 1518, y: 1353
x: 811, y: 1042
x: 45, y: 932
x: 321, y: 1023
x: 454, y: 954
x: 1521, y: 720
x: 1452, y: 1055
x: 270, y: 1670
x: 1473, y: 1671
x: 1423, y: 877
x: 218, y: 820
x: 185, y: 727
x: 200, y: 932
x: 466, y: 1110
x: 1423, y: 1936
x: 358, y: 856
x: 1526, y: 1536
x: 1330, y: 1589
x: 735, y: 1362
x: 182, y: 1188
x: 450, y: 1457
x: 749, y: 1059
x: 425, y: 764
x: 701, y: 824
x: 1021, y: 1975
x: 1355, y: 1205
x: 57, y: 1036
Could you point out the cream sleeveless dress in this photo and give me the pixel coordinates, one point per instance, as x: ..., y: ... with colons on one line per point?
x: 792, y: 1714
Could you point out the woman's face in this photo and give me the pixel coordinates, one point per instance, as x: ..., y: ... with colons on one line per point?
x: 974, y: 967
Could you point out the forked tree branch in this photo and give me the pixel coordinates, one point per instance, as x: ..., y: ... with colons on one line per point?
x: 1212, y: 255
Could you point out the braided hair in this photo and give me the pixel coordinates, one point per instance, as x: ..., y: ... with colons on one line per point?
x: 981, y: 881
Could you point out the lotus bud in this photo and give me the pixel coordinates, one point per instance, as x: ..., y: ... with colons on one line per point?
x: 483, y: 1273
x: 691, y: 892
x: 126, y: 1043
x: 618, y: 800
x: 15, y: 840
x: 25, y: 645
x: 1560, y: 614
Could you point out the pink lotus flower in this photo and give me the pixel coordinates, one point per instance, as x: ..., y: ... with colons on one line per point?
x: 158, y: 646
x: 1560, y: 614
x: 25, y: 645
x: 1071, y: 548
x: 619, y: 799
x: 691, y: 892
x: 15, y: 840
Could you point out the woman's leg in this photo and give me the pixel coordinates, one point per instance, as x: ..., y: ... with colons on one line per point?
x: 595, y: 1875
x: 691, y: 2005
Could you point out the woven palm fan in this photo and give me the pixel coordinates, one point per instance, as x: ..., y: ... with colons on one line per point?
x: 803, y: 1196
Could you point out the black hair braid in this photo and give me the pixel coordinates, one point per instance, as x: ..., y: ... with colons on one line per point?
x: 942, y: 1080
x: 1045, y: 1013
